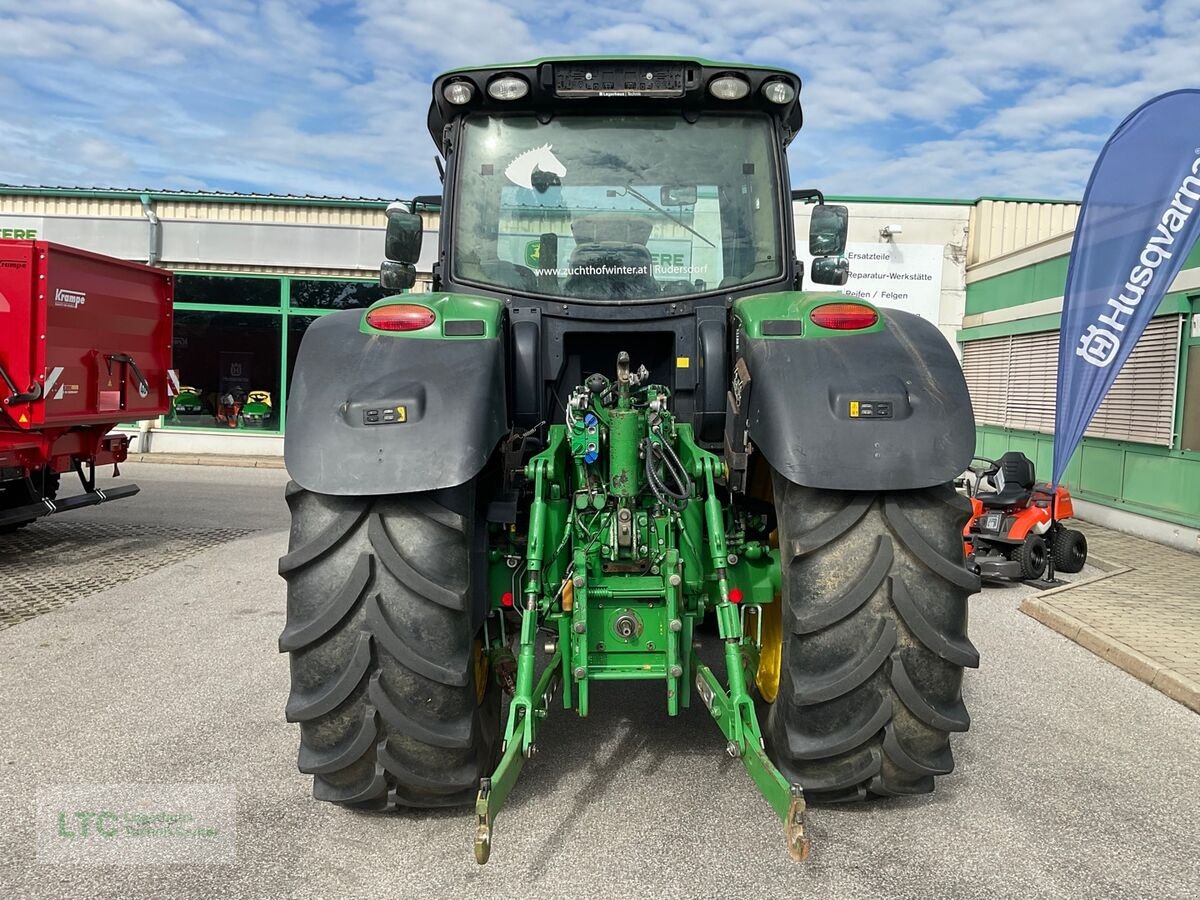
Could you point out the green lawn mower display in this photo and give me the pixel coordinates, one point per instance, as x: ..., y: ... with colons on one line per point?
x: 189, y: 401
x: 257, y: 410
x: 615, y: 415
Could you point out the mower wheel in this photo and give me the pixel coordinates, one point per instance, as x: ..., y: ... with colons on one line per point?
x: 1069, y: 548
x: 874, y: 605
x: 1031, y: 556
x: 15, y: 493
x: 395, y: 705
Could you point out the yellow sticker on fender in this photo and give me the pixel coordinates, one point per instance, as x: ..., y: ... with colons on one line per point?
x: 682, y: 362
x: 401, y: 414
x: 854, y: 409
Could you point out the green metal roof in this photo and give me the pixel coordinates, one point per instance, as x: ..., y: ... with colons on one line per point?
x: 99, y: 193
x: 1076, y: 201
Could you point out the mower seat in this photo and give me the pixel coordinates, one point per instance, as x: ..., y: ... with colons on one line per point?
x: 1014, y: 482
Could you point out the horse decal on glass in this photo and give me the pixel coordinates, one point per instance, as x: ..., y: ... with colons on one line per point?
x: 540, y: 159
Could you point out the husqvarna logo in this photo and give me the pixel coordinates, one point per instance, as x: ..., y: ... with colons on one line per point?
x: 70, y: 299
x: 1098, y: 347
x: 1101, y: 343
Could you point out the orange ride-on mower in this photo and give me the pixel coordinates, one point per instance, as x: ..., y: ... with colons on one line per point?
x: 1016, y: 531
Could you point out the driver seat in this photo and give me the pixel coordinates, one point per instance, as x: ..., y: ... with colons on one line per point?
x: 1014, y: 482
x: 616, y: 244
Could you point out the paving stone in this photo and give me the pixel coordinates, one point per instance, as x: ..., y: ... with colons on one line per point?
x: 54, y: 562
x: 1146, y: 620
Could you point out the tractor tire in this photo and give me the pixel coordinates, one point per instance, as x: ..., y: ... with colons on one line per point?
x: 874, y: 639
x: 14, y: 494
x: 1031, y: 556
x: 394, y: 702
x: 1069, y: 549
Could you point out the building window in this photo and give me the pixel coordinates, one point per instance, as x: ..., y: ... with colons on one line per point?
x: 228, y: 365
x: 222, y: 290
x: 322, y: 294
x: 296, y: 326
x: 1012, y: 380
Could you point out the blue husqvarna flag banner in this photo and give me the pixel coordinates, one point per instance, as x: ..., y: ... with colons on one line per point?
x: 1139, y: 219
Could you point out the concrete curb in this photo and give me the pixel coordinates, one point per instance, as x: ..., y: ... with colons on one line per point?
x: 209, y: 459
x: 1107, y: 570
x: 1177, y: 687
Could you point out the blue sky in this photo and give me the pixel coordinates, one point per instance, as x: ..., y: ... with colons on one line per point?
x: 914, y: 98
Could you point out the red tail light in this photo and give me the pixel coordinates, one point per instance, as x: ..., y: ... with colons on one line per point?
x: 844, y: 316
x: 400, y: 317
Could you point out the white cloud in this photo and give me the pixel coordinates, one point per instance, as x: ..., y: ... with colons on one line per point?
x: 928, y: 97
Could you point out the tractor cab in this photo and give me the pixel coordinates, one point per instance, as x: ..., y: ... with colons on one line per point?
x: 614, y: 205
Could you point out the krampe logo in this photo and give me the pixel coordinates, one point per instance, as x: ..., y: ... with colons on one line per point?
x: 1098, y: 346
x: 72, y: 299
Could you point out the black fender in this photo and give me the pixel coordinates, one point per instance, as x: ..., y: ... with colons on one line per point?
x: 452, y: 393
x: 798, y: 413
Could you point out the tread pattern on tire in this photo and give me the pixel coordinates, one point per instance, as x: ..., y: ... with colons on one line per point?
x: 1062, y: 546
x: 14, y: 494
x: 1027, y: 555
x: 875, y: 618
x: 381, y: 643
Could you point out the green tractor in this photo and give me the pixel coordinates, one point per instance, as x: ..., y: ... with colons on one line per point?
x: 615, y: 416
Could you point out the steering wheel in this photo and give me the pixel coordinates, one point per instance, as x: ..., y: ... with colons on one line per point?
x: 990, y: 468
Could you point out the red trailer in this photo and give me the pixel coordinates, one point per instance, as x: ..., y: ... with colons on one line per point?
x: 85, y: 343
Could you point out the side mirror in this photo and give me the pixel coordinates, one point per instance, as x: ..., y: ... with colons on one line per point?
x: 397, y: 276
x: 678, y: 195
x: 830, y: 270
x: 402, y: 242
x: 827, y: 230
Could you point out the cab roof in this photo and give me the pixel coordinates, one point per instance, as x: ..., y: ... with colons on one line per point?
x: 611, y: 84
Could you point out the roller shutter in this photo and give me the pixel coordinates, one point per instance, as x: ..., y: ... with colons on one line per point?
x: 1012, y: 382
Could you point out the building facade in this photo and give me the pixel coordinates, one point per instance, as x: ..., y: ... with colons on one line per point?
x: 1139, y: 464
x: 254, y: 271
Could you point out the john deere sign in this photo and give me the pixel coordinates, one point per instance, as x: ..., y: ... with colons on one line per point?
x: 667, y: 254
x: 20, y: 234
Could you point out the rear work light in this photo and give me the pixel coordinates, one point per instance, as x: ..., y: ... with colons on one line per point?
x: 844, y: 316
x: 507, y: 87
x: 400, y: 317
x: 729, y: 87
x: 458, y: 92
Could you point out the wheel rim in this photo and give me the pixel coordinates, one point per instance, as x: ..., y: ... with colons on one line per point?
x: 770, y: 657
x: 481, y: 673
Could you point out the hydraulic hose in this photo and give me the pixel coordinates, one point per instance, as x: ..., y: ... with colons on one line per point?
x: 674, y: 496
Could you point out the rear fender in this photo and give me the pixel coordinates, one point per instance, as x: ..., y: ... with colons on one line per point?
x: 1032, y: 518
x: 882, y: 408
x: 374, y: 412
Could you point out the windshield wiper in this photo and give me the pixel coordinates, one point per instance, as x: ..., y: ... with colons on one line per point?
x: 650, y: 203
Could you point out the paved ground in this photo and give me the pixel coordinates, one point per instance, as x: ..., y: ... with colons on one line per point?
x: 1143, y: 615
x: 1073, y: 781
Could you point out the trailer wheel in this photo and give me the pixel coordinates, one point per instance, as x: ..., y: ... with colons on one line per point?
x: 874, y: 639
x: 388, y: 682
x: 16, y: 493
x: 1069, y: 548
x: 1031, y: 557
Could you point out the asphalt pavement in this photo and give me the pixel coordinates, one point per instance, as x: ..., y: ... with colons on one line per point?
x: 1075, y: 780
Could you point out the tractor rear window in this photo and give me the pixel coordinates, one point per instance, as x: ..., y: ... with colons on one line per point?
x: 617, y: 207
